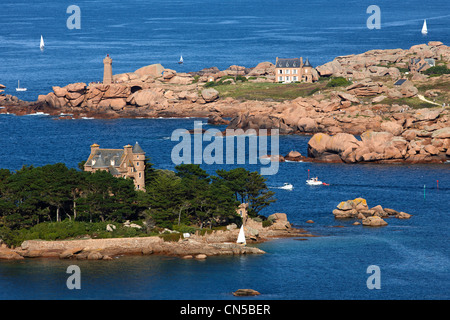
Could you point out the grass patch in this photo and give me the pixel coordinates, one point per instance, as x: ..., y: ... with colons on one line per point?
x: 264, y: 91
x: 338, y: 82
x: 439, y: 85
x: 414, y: 102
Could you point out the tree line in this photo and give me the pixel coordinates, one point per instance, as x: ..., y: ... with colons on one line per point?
x: 187, y: 196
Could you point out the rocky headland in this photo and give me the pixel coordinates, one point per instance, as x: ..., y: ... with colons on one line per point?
x: 373, y: 119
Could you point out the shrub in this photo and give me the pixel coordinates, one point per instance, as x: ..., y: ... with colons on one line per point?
x: 183, y: 228
x: 171, y: 237
x: 437, y: 70
x: 267, y: 223
x: 338, y: 82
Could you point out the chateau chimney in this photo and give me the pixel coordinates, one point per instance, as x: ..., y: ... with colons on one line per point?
x: 94, y: 148
x: 128, y: 149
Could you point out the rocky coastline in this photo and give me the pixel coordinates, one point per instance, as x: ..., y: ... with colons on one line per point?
x: 194, y: 246
x: 372, y: 120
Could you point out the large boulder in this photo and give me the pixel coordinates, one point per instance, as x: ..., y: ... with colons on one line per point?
x: 8, y: 254
x: 153, y: 70
x: 392, y: 127
x: 263, y: 69
x: 374, y: 221
x: 147, y: 98
x: 332, y: 68
x: 76, y: 87
x: 210, y: 94
x: 332, y: 148
x: 280, y: 221
x: 443, y: 133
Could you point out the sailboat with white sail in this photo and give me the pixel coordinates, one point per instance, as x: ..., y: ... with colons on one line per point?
x: 19, y: 88
x: 424, y: 27
x: 241, y: 236
x: 181, y: 60
x: 42, y: 45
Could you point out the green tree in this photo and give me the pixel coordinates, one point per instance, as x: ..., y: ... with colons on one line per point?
x: 248, y: 187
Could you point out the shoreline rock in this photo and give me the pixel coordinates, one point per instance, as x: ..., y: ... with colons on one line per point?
x: 196, y: 246
x: 358, y: 209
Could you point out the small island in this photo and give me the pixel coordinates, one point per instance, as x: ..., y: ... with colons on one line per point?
x: 54, y: 211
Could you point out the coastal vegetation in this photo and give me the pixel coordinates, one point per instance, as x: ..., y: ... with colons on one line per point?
x: 54, y: 202
x: 437, y: 71
x: 261, y: 91
x: 338, y: 82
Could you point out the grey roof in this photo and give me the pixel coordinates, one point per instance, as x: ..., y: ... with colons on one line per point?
x: 107, y: 156
x: 137, y: 148
x: 113, y: 171
x: 99, y: 163
x: 307, y: 64
x: 288, y: 63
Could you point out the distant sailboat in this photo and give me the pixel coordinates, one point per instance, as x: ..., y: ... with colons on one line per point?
x: 19, y: 88
x: 241, y: 236
x: 181, y: 60
x: 42, y: 45
x: 424, y: 28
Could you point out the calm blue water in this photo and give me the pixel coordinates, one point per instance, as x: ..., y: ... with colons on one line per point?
x: 206, y: 32
x: 413, y: 255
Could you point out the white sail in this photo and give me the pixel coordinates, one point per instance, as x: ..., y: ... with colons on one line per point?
x: 241, y: 236
x: 181, y: 59
x: 42, y: 45
x: 424, y: 28
x: 19, y: 88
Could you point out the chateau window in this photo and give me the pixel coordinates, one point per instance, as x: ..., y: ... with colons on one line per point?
x: 288, y: 71
x: 287, y: 78
x: 137, y: 163
x: 139, y: 174
x: 294, y: 71
x: 294, y: 78
x: 280, y: 78
x: 280, y: 71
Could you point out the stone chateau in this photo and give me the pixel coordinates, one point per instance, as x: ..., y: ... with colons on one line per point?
x: 128, y: 162
x: 294, y: 70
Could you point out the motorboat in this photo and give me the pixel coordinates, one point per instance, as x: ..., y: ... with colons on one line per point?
x: 314, y: 182
x: 287, y: 186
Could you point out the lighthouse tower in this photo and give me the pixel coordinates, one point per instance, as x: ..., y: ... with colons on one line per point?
x: 107, y: 70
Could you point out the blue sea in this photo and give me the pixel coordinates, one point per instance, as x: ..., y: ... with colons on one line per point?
x: 413, y: 255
